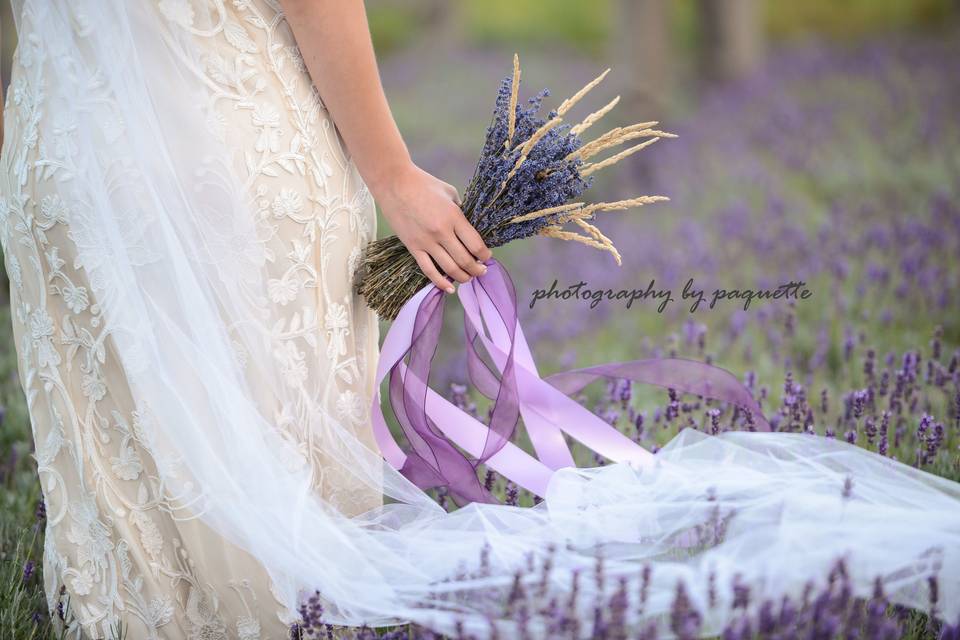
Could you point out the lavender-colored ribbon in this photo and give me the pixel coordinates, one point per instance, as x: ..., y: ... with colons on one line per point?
x: 437, y: 430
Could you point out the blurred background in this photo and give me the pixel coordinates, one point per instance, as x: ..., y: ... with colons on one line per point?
x: 818, y: 141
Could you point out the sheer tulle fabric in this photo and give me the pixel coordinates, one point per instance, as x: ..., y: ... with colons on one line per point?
x: 174, y: 261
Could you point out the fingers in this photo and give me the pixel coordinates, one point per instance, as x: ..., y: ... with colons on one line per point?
x: 447, y: 240
x: 448, y: 264
x: 430, y: 270
x: 463, y: 257
x: 471, y: 239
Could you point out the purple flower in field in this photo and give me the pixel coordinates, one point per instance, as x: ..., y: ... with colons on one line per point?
x: 926, y: 423
x: 673, y: 407
x: 870, y: 429
x: 956, y: 409
x: 714, y: 421
x: 638, y: 425
x: 40, y: 513
x: 739, y: 629
x: 848, y: 345
x: 933, y: 587
x: 685, y: 620
x: 61, y: 613
x: 490, y: 477
x: 617, y: 606
x: 461, y: 399
x: 775, y: 421
x: 512, y: 493
x: 859, y: 399
x: 752, y: 425
x: 626, y: 393
x: 884, y: 383
x: 950, y: 632
x: 311, y: 622
x: 645, y: 575
x: 28, y: 569
x: 611, y: 416
x: 741, y: 594
x: 847, y: 487
x: 859, y: 248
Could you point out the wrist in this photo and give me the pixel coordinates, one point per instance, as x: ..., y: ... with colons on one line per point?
x: 386, y: 181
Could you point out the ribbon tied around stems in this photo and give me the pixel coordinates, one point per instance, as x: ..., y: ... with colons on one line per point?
x: 438, y: 432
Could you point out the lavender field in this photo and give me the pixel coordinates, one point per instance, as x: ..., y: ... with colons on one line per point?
x: 835, y: 166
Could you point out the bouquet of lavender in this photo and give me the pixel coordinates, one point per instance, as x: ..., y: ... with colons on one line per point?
x: 530, y: 176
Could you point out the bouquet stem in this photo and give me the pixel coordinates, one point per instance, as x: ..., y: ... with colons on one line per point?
x: 388, y: 275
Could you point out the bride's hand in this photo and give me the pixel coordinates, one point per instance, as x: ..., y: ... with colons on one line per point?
x: 424, y: 213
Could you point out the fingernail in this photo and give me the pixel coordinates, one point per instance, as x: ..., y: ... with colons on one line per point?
x: 450, y: 289
x: 483, y: 268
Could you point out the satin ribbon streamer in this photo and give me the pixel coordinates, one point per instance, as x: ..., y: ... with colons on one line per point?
x: 435, y: 428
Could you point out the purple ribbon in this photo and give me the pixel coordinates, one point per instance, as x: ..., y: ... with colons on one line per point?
x: 439, y: 433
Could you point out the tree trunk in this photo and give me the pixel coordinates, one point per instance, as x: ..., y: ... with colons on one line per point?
x: 732, y: 38
x: 645, y: 54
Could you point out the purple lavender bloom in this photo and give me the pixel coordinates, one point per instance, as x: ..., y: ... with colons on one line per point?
x: 28, y: 569
x: 685, y: 620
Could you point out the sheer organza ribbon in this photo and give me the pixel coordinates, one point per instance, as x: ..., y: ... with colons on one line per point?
x: 438, y: 432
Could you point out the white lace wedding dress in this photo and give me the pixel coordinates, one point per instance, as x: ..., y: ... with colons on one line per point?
x: 180, y: 222
x: 116, y: 536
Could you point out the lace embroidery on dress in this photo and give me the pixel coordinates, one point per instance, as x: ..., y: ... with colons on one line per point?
x: 123, y: 544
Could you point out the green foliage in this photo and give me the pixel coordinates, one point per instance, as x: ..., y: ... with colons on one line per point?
x: 583, y: 25
x: 852, y: 18
x: 588, y: 26
x: 21, y: 538
x: 392, y: 27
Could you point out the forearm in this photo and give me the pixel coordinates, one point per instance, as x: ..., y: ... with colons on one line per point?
x: 334, y: 38
x: 2, y: 102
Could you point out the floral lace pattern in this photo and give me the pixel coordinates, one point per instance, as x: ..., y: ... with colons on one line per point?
x: 112, y: 540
